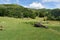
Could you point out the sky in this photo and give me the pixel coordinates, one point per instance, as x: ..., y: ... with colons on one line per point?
x: 37, y: 4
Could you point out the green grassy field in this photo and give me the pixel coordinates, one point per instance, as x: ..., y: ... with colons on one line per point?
x: 22, y: 29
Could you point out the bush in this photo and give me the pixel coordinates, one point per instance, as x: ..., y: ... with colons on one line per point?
x: 54, y: 14
x: 33, y: 15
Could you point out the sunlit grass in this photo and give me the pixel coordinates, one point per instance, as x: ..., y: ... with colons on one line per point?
x: 18, y: 29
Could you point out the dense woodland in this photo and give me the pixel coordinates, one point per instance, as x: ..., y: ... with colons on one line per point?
x: 17, y: 11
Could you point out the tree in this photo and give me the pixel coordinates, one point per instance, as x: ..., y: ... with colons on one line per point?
x: 54, y: 14
x: 32, y: 15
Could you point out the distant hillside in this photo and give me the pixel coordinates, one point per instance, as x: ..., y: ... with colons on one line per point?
x: 18, y: 11
x: 10, y: 5
x: 14, y: 10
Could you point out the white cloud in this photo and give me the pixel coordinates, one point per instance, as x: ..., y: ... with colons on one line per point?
x: 35, y: 5
x: 50, y: 0
x: 55, y: 3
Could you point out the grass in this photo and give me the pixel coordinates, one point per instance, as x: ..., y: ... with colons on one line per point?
x: 21, y: 29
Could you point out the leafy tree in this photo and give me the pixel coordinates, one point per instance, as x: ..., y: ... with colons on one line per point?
x: 54, y: 14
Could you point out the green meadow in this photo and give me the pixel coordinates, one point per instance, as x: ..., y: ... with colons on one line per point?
x: 23, y: 29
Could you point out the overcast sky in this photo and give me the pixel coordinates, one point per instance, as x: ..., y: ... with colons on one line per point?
x: 34, y: 3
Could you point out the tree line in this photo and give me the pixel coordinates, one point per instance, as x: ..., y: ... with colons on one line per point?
x: 17, y: 11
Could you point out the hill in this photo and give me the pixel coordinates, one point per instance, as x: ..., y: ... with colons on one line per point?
x: 18, y: 11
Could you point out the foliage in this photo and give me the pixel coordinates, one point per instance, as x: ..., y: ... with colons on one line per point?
x: 54, y: 14
x: 17, y: 11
